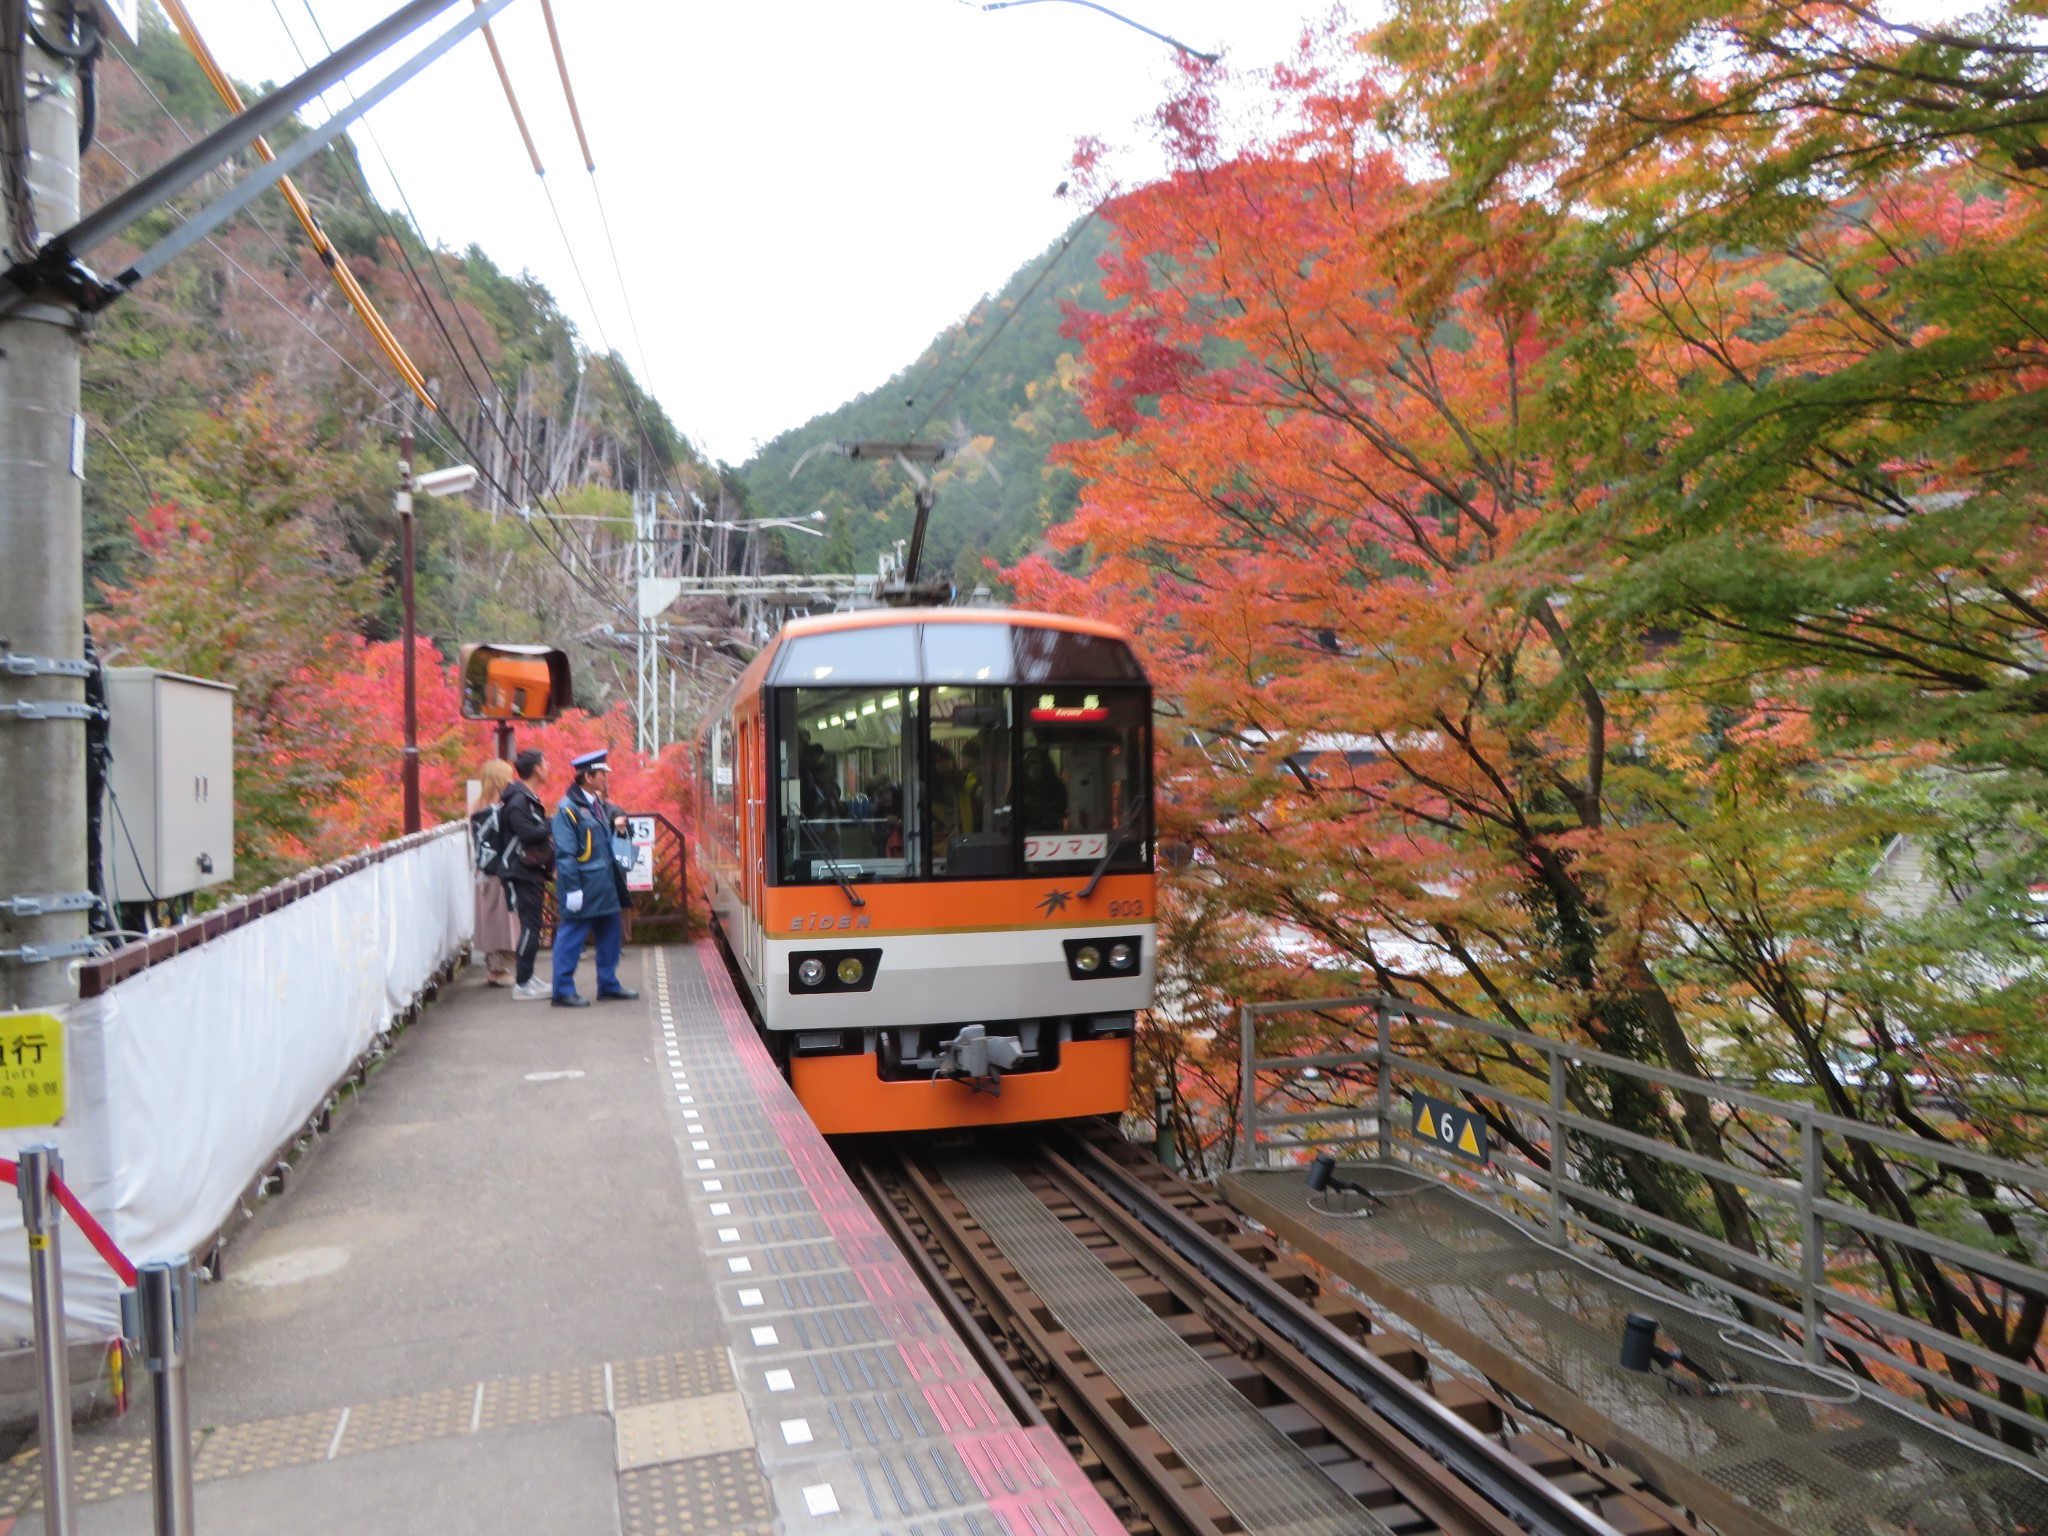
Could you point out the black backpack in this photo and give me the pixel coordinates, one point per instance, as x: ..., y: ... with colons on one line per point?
x: 489, y: 842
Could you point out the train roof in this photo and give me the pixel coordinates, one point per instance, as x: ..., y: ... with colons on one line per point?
x: 878, y: 618
x: 858, y: 648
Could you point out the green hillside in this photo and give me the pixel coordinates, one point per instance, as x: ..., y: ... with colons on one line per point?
x: 247, y: 327
x: 1003, y: 376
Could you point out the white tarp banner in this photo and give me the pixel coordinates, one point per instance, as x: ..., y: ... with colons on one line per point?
x: 186, y: 1078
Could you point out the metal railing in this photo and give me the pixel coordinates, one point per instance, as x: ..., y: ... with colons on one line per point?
x: 1792, y: 1256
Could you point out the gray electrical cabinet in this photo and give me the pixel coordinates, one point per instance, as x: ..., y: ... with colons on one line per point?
x: 169, y: 827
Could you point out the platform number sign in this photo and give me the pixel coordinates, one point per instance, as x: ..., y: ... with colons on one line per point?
x: 641, y: 876
x: 31, y: 1069
x: 1454, y: 1130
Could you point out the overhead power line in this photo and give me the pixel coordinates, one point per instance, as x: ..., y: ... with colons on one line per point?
x: 258, y: 284
x: 535, y: 492
x: 336, y: 264
x: 604, y: 217
x: 633, y: 393
x: 1003, y: 324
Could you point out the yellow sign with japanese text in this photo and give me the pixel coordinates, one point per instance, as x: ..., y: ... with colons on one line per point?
x: 31, y: 1069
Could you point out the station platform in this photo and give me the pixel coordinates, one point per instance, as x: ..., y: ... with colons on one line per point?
x: 585, y: 1272
x: 1793, y: 1453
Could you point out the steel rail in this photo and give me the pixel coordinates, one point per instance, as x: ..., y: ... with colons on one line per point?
x: 1013, y: 1391
x: 1401, y: 1458
x: 1074, y: 1387
x: 1480, y: 1463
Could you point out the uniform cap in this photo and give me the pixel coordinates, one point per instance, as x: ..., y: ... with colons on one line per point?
x: 589, y: 760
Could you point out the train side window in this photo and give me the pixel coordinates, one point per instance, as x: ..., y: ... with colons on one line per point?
x: 973, y: 820
x: 846, y: 769
x: 722, y: 789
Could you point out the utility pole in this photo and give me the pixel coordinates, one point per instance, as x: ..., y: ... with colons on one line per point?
x: 409, y: 771
x: 44, y: 885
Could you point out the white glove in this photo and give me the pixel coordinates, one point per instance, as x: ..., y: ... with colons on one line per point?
x: 573, y: 902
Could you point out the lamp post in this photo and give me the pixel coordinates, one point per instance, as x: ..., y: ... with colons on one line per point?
x: 442, y: 482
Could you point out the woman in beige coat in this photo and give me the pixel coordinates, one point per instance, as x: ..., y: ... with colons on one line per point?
x: 497, y: 929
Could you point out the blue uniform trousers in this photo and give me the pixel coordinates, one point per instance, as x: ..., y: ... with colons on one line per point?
x: 570, y: 932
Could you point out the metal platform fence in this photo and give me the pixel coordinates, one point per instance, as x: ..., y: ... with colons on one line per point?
x: 660, y: 910
x: 1765, y: 1209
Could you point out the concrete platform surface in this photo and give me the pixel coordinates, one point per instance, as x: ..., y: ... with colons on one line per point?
x: 588, y: 1272
x: 488, y: 1252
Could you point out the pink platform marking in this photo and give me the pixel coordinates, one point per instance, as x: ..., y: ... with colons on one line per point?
x: 1030, y: 1482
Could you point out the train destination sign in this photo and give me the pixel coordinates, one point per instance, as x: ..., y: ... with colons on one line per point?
x: 1454, y: 1129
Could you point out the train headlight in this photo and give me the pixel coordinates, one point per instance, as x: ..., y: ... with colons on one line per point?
x: 811, y: 973
x: 1106, y: 957
x: 851, y: 971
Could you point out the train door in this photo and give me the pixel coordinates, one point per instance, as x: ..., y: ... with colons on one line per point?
x: 753, y: 843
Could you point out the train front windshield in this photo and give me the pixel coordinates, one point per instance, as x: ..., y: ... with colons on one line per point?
x: 960, y: 780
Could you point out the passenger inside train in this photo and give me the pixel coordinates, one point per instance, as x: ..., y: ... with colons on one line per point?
x: 956, y: 782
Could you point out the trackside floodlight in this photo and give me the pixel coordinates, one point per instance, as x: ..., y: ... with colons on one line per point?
x: 452, y: 481
x: 1322, y: 1179
x: 514, y: 682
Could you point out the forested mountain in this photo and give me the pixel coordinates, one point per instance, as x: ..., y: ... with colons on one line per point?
x: 253, y: 316
x: 243, y: 454
x: 1002, y: 377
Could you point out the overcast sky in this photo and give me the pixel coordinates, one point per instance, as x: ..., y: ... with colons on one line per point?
x: 803, y: 192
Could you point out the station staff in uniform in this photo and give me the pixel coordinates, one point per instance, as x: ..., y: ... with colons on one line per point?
x: 588, y: 879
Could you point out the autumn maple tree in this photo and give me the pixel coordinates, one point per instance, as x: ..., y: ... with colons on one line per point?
x: 243, y: 576
x: 1574, y: 481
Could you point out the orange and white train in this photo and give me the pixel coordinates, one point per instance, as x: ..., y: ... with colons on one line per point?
x: 928, y: 839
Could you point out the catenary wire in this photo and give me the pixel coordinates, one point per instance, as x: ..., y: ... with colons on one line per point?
x: 603, y: 338
x: 604, y: 217
x: 1016, y: 309
x: 292, y: 314
x: 632, y: 394
x: 536, y: 491
x: 291, y: 262
x: 431, y: 428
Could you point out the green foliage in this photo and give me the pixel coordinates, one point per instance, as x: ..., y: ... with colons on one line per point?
x: 244, y: 579
x: 1016, y: 400
x: 253, y: 313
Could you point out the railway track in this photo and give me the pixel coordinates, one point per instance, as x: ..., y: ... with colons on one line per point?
x: 1208, y: 1383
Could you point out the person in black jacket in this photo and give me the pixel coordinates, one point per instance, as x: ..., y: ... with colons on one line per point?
x: 530, y: 864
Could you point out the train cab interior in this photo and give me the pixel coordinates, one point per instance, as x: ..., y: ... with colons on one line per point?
x: 957, y: 751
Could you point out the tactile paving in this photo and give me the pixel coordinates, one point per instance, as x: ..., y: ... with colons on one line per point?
x: 408, y: 1420
x: 707, y: 1496
x: 103, y: 1471
x: 236, y: 1450
x: 536, y: 1399
x: 1261, y: 1476
x: 658, y: 1378
x: 681, y: 1428
x: 108, y: 1467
